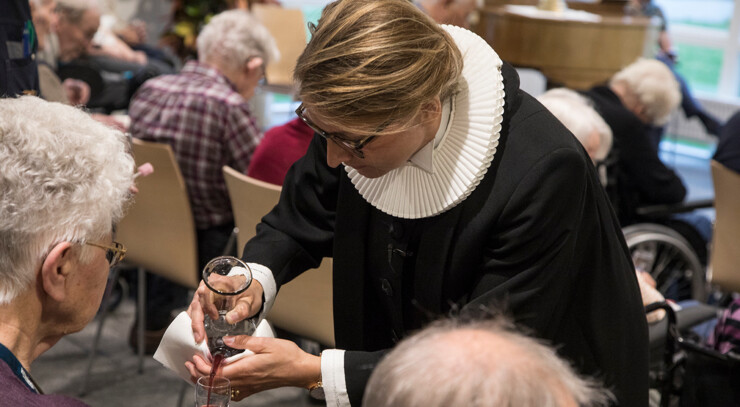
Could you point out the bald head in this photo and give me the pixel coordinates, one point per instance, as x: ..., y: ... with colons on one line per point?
x: 485, y: 363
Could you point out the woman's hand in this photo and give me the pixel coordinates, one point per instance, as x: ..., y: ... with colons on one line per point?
x: 247, y: 305
x: 275, y: 363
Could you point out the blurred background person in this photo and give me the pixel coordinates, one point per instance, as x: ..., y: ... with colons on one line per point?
x: 113, y: 75
x: 203, y: 114
x: 71, y: 91
x: 478, y: 363
x: 281, y: 146
x: 578, y: 115
x: 642, y: 95
x: 65, y: 180
x: 18, y: 47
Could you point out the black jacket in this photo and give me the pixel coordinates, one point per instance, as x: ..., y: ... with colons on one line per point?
x: 18, y: 69
x: 728, y: 147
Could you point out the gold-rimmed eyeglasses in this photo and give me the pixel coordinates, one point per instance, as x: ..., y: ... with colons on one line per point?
x: 114, y: 253
x: 354, y: 147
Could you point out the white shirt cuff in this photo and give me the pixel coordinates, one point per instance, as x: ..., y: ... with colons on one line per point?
x: 332, y: 378
x: 264, y: 275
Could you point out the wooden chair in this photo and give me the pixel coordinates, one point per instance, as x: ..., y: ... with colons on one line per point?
x: 725, y: 257
x: 288, y: 29
x: 303, y: 306
x: 159, y: 230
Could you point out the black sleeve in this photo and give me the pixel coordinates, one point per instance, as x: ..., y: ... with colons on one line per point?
x: 728, y: 148
x: 358, y: 366
x: 299, y: 231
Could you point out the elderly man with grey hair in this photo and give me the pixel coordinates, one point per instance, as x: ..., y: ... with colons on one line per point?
x: 638, y: 97
x: 478, y: 363
x: 65, y: 180
x: 203, y: 113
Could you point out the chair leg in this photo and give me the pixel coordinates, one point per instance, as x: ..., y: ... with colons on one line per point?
x: 106, y: 303
x: 141, y: 316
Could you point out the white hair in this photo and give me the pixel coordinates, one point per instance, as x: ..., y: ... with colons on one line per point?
x: 483, y: 363
x: 654, y: 85
x: 234, y: 36
x: 73, y: 10
x: 578, y: 115
x: 63, y: 177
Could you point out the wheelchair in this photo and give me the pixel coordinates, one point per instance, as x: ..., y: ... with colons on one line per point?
x: 669, y: 259
x: 684, y: 372
x: 668, y: 251
x: 667, y: 255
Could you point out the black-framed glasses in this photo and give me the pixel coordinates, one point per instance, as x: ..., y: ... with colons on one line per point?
x: 113, y: 253
x: 354, y: 147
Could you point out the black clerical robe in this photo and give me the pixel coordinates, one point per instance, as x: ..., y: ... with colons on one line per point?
x: 537, y: 235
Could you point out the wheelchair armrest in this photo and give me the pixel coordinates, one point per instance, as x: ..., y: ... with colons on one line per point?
x: 665, y: 210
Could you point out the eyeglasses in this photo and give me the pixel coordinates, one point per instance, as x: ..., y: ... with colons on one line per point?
x: 352, y: 146
x: 114, y: 253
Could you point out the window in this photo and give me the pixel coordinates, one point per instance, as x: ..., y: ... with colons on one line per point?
x: 705, y: 36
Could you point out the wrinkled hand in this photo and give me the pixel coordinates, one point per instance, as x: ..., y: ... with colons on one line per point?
x: 247, y: 305
x: 276, y: 363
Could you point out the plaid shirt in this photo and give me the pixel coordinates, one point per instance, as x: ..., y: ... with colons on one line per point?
x: 208, y: 124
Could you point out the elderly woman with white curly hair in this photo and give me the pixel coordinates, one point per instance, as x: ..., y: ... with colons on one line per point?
x: 65, y: 180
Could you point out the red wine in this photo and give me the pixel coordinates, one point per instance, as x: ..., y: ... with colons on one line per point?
x: 217, y: 359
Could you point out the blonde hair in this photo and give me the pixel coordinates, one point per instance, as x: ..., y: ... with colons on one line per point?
x: 375, y: 64
x: 654, y: 85
x: 454, y: 362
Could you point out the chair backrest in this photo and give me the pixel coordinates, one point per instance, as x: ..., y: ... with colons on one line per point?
x: 725, y: 256
x: 287, y: 27
x: 304, y: 306
x: 251, y: 199
x: 158, y: 230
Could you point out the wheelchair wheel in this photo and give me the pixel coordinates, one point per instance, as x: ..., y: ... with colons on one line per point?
x: 669, y: 259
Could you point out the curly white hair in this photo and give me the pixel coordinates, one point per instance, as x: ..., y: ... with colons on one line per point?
x: 63, y: 177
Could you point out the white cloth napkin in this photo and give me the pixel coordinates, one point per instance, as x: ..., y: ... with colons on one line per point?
x: 179, y: 346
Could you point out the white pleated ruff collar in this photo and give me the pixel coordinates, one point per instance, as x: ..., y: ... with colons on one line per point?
x: 466, y: 151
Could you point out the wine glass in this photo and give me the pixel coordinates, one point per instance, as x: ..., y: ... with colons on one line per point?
x: 212, y: 392
x: 226, y: 278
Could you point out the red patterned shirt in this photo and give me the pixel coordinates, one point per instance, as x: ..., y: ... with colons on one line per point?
x: 208, y: 124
